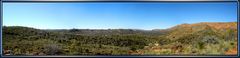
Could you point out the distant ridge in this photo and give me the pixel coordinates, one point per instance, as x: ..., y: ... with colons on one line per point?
x: 213, y: 24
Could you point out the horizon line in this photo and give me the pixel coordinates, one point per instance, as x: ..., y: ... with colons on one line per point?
x: 112, y: 28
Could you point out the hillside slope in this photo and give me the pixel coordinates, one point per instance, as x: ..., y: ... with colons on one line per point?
x: 198, y: 38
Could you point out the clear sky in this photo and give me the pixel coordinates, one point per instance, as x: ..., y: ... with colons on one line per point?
x: 115, y: 15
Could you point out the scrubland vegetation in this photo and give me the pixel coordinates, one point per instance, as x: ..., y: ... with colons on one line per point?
x: 215, y: 38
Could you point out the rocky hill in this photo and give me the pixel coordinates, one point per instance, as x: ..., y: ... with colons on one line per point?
x: 199, y: 38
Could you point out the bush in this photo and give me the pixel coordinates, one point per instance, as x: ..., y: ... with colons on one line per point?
x: 52, y: 49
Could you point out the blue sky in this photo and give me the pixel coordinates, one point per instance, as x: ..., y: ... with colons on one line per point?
x: 115, y: 15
